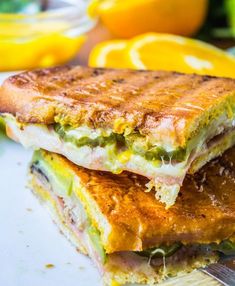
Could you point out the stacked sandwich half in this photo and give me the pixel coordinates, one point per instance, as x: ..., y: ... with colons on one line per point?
x: 136, y: 167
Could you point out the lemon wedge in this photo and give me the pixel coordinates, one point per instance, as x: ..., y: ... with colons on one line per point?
x: 169, y: 52
x: 155, y: 51
x: 109, y: 54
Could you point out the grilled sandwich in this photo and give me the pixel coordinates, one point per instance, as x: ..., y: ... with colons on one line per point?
x: 132, y: 237
x: 158, y: 124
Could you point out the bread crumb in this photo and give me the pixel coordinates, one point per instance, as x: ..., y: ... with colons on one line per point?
x: 49, y: 265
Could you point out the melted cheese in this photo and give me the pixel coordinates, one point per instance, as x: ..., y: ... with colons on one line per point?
x: 166, y: 176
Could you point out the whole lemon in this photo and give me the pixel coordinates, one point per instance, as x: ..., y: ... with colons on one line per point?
x: 128, y: 18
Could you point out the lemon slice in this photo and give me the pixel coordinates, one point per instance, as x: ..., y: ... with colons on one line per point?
x: 176, y: 53
x: 109, y: 54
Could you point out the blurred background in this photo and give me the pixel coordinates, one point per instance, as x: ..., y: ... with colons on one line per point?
x: 183, y: 35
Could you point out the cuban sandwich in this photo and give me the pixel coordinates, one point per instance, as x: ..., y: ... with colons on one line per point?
x: 131, y: 236
x: 158, y: 124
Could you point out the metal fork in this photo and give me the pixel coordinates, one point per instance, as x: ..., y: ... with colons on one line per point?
x: 224, y: 271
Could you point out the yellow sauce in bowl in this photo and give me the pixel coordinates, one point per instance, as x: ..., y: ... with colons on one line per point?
x: 40, y: 40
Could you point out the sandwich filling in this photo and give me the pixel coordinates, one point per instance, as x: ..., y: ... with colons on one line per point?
x: 56, y: 186
x: 102, y: 149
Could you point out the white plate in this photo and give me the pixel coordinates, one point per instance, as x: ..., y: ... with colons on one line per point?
x: 29, y: 240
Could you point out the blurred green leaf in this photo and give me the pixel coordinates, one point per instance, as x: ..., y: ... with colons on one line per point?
x: 16, y: 6
x: 216, y: 24
x: 230, y: 10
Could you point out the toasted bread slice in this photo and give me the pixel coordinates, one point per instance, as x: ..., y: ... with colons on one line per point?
x: 124, y: 229
x: 154, y: 123
x: 130, y: 219
x: 123, y: 267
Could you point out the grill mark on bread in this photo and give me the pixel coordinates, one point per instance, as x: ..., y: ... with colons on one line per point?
x: 144, y: 99
x: 122, y: 201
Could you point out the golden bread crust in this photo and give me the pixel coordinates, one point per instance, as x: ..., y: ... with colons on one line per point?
x: 157, y: 103
x: 203, y: 213
x: 127, y: 267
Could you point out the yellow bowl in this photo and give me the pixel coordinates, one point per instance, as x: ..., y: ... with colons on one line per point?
x: 43, y: 39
